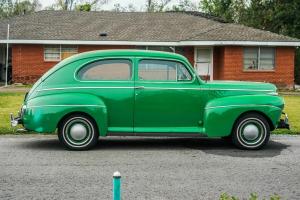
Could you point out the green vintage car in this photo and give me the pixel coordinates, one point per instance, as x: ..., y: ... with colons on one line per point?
x: 146, y: 93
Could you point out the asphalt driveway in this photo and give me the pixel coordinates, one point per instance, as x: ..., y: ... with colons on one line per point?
x: 37, y: 167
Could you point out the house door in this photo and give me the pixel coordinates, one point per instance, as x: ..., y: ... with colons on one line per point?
x: 203, y: 62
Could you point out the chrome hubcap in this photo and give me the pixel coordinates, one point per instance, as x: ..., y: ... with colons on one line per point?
x: 78, y: 132
x: 250, y: 132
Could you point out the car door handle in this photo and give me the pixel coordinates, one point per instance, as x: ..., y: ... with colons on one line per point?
x: 139, y: 87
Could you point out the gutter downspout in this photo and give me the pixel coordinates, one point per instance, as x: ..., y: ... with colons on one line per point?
x: 6, y: 62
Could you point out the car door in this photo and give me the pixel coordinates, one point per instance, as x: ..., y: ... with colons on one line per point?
x: 111, y: 80
x: 167, y: 97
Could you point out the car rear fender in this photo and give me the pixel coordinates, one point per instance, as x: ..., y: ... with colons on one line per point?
x: 43, y: 113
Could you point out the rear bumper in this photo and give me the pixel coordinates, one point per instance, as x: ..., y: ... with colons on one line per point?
x: 284, y: 123
x: 14, y: 121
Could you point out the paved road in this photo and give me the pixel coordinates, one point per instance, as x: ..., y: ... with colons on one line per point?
x: 37, y: 167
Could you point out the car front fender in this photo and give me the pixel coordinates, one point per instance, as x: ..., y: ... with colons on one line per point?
x: 43, y: 113
x: 221, y: 114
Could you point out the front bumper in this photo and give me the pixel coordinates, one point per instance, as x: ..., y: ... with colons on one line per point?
x: 284, y: 123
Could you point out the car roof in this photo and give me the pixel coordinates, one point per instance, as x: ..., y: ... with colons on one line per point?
x: 114, y: 53
x: 127, y: 52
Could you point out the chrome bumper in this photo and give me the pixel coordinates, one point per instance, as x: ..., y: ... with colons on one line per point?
x: 14, y: 121
x: 284, y: 123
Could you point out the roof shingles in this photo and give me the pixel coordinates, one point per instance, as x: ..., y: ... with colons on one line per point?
x: 130, y: 26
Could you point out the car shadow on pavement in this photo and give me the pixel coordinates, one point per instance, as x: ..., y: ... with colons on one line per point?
x: 208, y: 146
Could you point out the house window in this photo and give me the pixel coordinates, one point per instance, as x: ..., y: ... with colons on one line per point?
x: 157, y: 48
x: 259, y: 58
x: 59, y: 52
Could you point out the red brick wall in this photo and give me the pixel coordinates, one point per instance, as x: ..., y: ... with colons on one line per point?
x: 228, y: 65
x: 28, y: 63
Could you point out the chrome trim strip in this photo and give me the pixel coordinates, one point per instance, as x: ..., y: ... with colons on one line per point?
x: 90, y: 87
x: 160, y: 88
x: 245, y: 105
x: 66, y: 105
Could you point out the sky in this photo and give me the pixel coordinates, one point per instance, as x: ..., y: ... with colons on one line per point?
x: 137, y: 3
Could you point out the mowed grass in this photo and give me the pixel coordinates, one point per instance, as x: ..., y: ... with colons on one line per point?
x: 11, y: 103
x: 292, y: 108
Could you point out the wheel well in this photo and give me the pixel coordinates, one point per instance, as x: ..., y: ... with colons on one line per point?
x: 79, y: 113
x: 257, y: 112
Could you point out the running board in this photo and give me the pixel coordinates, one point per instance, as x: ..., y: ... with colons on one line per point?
x: 201, y: 135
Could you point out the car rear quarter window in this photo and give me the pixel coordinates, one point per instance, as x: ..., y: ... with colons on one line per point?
x: 163, y: 70
x: 111, y: 69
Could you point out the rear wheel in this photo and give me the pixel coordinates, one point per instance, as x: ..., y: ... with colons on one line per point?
x: 78, y: 132
x: 251, y: 131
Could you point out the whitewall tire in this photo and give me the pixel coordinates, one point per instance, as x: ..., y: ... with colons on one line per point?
x: 78, y: 132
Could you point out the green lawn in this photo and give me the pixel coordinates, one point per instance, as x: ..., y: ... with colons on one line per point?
x: 11, y: 102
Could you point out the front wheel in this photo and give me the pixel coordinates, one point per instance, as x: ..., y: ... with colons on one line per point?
x: 78, y: 132
x: 251, y: 131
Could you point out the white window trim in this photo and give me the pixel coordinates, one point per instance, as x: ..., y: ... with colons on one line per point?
x: 60, y: 52
x: 211, y: 68
x: 258, y: 61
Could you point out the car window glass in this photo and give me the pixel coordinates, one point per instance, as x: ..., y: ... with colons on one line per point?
x: 162, y: 70
x: 113, y: 69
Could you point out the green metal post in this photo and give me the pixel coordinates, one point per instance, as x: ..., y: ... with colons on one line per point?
x: 117, y: 186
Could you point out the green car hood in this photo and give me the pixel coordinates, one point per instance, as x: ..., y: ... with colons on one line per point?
x: 243, y: 86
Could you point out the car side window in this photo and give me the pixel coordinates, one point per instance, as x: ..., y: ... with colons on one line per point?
x: 110, y: 69
x: 162, y: 70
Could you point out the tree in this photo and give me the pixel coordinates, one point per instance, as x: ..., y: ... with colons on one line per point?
x: 185, y: 5
x: 156, y: 5
x: 86, y: 5
x: 220, y: 8
x: 277, y: 16
x: 11, y: 8
x: 128, y: 8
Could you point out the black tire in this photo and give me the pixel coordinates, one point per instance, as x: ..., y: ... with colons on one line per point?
x: 251, y: 131
x: 78, y: 132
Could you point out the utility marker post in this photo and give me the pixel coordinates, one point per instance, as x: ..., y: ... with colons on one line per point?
x: 117, y: 186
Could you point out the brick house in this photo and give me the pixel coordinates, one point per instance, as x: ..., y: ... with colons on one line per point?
x: 217, y: 50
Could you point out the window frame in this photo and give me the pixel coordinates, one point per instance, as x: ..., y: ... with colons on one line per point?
x: 165, y: 81
x: 60, y: 51
x: 76, y: 77
x: 258, y: 48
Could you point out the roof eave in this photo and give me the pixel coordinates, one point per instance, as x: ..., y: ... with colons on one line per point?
x: 154, y: 43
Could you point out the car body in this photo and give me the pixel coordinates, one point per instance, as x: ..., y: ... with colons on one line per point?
x: 146, y: 93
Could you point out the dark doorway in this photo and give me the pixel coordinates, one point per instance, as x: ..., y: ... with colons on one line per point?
x: 3, y: 64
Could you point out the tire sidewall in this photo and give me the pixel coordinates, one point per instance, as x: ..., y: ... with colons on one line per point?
x: 89, y: 143
x: 237, y: 137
